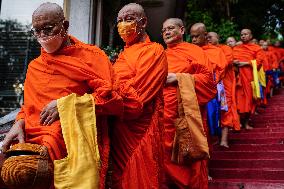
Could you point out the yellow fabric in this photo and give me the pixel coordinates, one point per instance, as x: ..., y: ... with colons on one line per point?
x: 80, y: 169
x: 261, y: 77
x: 255, y: 82
x: 189, y: 127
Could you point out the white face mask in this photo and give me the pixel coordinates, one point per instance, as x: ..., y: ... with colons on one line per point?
x: 51, y: 43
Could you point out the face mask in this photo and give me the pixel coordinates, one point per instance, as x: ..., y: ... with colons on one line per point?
x: 127, y: 30
x: 51, y: 43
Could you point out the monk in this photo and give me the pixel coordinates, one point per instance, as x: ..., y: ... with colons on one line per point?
x: 269, y: 67
x: 137, y: 138
x: 217, y: 61
x: 184, y: 57
x: 65, y: 66
x: 215, y: 55
x: 243, y: 54
x: 231, y: 42
x: 229, y: 118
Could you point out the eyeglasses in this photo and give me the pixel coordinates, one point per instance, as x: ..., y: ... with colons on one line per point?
x: 47, y: 30
x: 170, y: 28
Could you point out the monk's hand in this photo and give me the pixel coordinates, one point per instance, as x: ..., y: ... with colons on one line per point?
x: 16, y: 133
x: 236, y: 62
x: 171, y: 78
x: 49, y: 113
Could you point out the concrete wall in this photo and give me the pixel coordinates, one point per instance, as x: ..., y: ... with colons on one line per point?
x: 81, y: 17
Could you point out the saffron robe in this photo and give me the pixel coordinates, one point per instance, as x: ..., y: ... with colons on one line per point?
x: 137, y: 138
x: 244, y: 95
x: 217, y: 60
x: 186, y: 58
x: 230, y: 118
x: 79, y: 69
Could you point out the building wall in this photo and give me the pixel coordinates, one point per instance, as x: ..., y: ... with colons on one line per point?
x: 81, y: 17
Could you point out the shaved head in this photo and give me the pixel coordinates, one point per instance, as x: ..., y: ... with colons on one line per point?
x: 52, y: 9
x: 213, y: 38
x: 246, y: 30
x: 231, y: 41
x: 134, y: 14
x: 173, y: 31
x: 132, y: 8
x: 198, y: 34
x: 199, y: 27
x: 246, y: 36
x: 175, y: 21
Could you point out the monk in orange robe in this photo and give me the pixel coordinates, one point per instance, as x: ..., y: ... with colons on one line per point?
x: 243, y: 54
x: 229, y: 118
x: 272, y: 64
x: 184, y: 57
x: 64, y: 66
x: 231, y: 42
x: 137, y: 138
x: 215, y: 55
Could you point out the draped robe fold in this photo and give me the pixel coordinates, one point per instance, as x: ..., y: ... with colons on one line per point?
x: 80, y: 69
x: 137, y: 138
x: 186, y: 58
x: 244, y: 95
x: 230, y: 118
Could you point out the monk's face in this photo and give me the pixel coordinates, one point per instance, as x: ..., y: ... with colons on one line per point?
x: 246, y: 36
x: 131, y: 25
x: 212, y: 38
x: 46, y: 23
x: 261, y: 42
x: 231, y: 42
x: 264, y: 46
x: 198, y: 37
x: 172, y: 33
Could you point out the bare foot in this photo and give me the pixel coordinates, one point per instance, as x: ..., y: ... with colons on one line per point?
x: 210, y: 178
x: 224, y: 144
x: 248, y: 127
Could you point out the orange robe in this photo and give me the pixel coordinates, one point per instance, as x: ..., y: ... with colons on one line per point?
x: 137, y: 138
x: 217, y: 60
x: 244, y: 95
x: 230, y: 118
x: 79, y: 69
x: 279, y: 52
x: 186, y: 58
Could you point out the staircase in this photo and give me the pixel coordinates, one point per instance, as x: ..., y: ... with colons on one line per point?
x: 255, y: 159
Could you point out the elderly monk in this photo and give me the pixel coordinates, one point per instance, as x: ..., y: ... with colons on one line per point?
x: 231, y: 42
x: 184, y: 57
x: 243, y: 54
x: 65, y: 66
x: 229, y: 118
x: 137, y: 138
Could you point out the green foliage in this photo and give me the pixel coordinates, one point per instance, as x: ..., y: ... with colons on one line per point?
x: 112, y: 53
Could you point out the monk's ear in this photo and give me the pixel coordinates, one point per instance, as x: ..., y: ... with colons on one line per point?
x: 143, y: 22
x: 182, y: 30
x: 66, y: 24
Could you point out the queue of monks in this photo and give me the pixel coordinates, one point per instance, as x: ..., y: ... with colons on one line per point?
x: 145, y: 121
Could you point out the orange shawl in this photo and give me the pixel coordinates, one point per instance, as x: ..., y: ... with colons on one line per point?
x: 137, y: 137
x: 217, y: 60
x: 230, y: 118
x: 186, y: 58
x: 246, y: 53
x: 79, y: 69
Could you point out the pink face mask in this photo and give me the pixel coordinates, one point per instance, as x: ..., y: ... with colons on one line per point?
x: 51, y: 43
